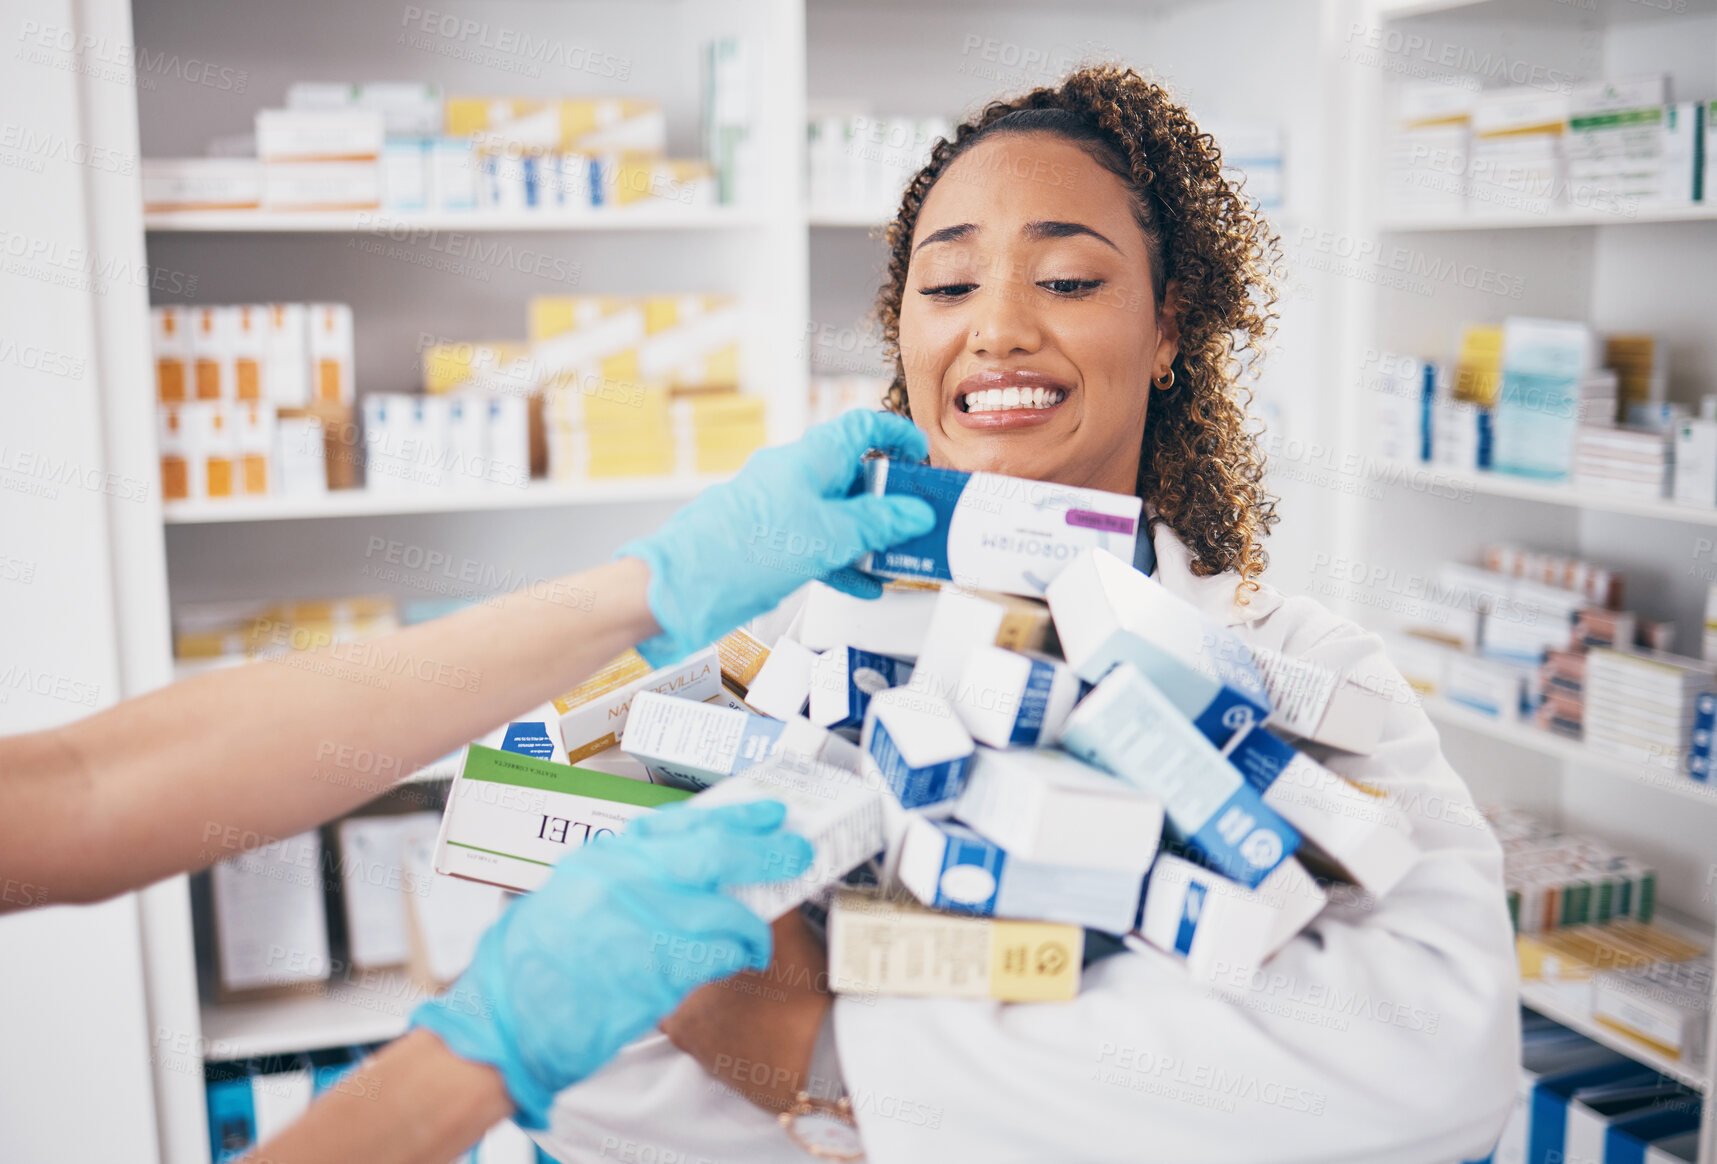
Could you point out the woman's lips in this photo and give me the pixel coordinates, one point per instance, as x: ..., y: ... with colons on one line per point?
x: 1007, y: 400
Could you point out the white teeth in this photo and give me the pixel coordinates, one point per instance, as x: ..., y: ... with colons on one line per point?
x: 1003, y: 399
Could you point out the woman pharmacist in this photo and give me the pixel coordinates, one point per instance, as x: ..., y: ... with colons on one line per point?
x: 1070, y: 283
x: 571, y: 972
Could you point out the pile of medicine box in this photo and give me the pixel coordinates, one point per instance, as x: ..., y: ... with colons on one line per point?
x: 406, y: 148
x: 1616, y: 147
x: 977, y: 800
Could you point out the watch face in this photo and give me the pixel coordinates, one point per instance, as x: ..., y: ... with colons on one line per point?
x: 817, y: 1131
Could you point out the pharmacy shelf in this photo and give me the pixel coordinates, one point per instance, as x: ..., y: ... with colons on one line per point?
x: 1552, y: 1005
x: 1523, y: 489
x: 1696, y: 212
x: 1660, y: 776
x: 849, y: 219
x: 400, y: 224
x: 371, y: 1009
x: 368, y: 503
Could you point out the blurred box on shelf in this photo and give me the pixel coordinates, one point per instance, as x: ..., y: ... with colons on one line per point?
x: 1628, y: 146
x: 181, y: 184
x: 1426, y: 150
x: 403, y: 174
x: 328, y: 332
x: 645, y: 181
x: 578, y: 124
x: 1518, y: 164
x: 446, y: 917
x: 374, y: 886
x: 1546, y: 363
x: 882, y: 947
x: 270, y: 925
x: 833, y: 396
x: 1695, y: 459
x: 322, y: 185
x: 950, y: 866
x: 319, y: 135
x: 342, y: 440
x: 858, y: 162
x: 1625, y: 462
x: 407, y: 108
x: 511, y: 817
x: 1642, y: 706
x: 453, y: 173
x: 1252, y: 156
x: 1666, y: 1005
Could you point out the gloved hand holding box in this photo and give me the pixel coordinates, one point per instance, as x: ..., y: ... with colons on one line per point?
x: 830, y: 807
x: 998, y: 533
x: 510, y: 817
x: 1127, y: 726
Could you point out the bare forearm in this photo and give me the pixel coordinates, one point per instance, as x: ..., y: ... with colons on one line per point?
x: 416, y: 1102
x: 189, y: 774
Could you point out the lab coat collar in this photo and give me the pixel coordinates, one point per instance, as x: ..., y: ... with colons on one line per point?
x: 1213, y: 596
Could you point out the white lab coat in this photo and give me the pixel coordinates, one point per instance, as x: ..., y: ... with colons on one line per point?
x: 1387, y: 1031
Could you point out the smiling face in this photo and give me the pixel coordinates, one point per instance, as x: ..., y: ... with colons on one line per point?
x: 1029, y: 332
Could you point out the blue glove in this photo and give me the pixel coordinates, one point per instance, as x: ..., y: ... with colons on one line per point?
x: 743, y: 546
x: 623, y: 930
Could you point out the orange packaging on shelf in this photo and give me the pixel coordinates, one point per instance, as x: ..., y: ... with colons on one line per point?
x: 330, y: 347
x: 253, y: 434
x: 211, y: 352
x: 248, y: 343
x: 175, y: 458
x: 211, y: 449
x: 170, y: 340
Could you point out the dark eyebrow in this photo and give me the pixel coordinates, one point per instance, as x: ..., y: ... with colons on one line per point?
x: 947, y: 234
x: 1043, y: 230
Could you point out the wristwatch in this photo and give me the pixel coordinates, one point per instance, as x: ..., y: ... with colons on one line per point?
x: 823, y: 1128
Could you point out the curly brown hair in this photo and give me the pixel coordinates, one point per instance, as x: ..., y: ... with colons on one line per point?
x: 1201, y: 466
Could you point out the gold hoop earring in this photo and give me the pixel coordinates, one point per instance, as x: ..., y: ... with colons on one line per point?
x: 1165, y: 381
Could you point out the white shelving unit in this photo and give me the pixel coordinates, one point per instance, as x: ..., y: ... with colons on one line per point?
x: 1662, y: 777
x: 1582, y: 264
x: 386, y: 222
x: 801, y: 272
x: 1547, y: 493
x: 369, y: 503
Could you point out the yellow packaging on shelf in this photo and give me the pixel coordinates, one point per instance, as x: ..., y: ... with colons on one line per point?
x: 503, y: 366
x: 883, y: 947
x: 691, y: 341
x: 634, y: 180
x: 595, y: 401
x: 717, y: 411
x: 613, y: 124
x: 472, y: 115
x: 1478, y: 369
x: 556, y: 315
x: 1578, y: 952
x: 593, y: 715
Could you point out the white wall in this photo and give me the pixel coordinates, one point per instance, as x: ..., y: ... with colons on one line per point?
x: 72, y: 1013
